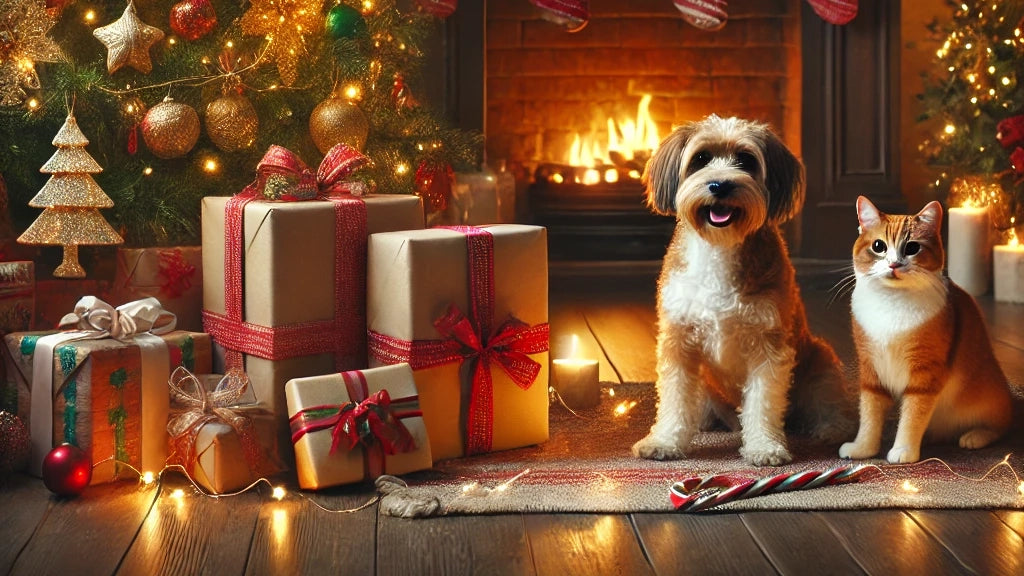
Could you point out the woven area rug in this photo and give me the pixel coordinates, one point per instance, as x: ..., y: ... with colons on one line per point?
x: 586, y: 466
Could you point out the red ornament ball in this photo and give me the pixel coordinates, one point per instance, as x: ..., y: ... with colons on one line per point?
x: 193, y: 19
x: 67, y: 470
x: 438, y: 8
x: 14, y: 443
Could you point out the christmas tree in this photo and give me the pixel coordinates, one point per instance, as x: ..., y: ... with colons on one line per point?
x: 974, y: 97
x: 179, y: 112
x: 71, y: 200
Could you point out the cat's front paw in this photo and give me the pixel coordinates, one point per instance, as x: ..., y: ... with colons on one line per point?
x: 654, y: 448
x: 857, y: 451
x: 766, y: 454
x: 903, y: 455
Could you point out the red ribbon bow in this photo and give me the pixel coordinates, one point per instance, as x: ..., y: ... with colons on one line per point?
x: 298, y: 182
x: 472, y: 340
x: 176, y: 272
x: 372, y: 422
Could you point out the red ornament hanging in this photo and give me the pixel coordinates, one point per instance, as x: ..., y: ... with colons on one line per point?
x: 1017, y: 162
x: 434, y: 185
x: 1010, y: 131
x: 67, y: 470
x: 193, y: 19
x: 439, y: 8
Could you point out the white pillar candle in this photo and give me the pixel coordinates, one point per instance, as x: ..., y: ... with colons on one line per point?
x: 576, y: 381
x: 1008, y: 265
x: 969, y: 250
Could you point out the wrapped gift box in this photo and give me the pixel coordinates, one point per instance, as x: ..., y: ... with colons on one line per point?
x: 173, y: 275
x: 97, y: 388
x: 221, y: 435
x: 289, y: 283
x: 413, y: 280
x: 322, y: 406
x: 17, y: 296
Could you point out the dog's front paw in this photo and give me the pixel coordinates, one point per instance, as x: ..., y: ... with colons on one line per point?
x: 766, y: 454
x: 978, y: 438
x: 903, y: 454
x: 654, y: 448
x: 857, y: 451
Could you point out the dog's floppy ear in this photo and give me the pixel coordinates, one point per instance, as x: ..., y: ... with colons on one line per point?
x: 784, y: 179
x: 661, y: 176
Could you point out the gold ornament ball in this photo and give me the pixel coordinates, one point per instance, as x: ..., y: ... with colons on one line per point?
x: 231, y: 122
x: 170, y: 129
x: 338, y: 121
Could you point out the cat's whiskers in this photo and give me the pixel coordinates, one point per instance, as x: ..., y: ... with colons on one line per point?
x: 842, y: 287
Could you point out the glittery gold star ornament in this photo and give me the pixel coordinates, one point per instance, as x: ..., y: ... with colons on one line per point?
x: 128, y: 41
x: 24, y: 40
x: 71, y: 200
x: 285, y: 24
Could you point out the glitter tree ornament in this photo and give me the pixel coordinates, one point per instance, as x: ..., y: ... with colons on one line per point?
x: 24, y: 40
x: 231, y: 121
x: 128, y: 41
x: 193, y: 19
x: 285, y: 24
x: 71, y: 200
x: 14, y: 443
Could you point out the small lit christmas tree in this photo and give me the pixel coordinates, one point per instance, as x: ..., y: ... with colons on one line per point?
x: 975, y: 98
x: 71, y: 200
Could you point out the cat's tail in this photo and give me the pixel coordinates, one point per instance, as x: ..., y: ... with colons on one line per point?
x: 823, y: 401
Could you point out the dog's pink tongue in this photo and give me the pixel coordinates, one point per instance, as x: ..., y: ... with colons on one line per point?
x: 720, y: 214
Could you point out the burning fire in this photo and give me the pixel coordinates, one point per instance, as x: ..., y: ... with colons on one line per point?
x: 620, y: 153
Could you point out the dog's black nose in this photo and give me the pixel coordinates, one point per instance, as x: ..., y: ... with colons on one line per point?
x: 720, y: 189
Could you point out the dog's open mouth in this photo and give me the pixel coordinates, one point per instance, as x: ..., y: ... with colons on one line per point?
x: 720, y: 215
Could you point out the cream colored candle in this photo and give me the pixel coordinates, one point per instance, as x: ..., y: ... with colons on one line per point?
x: 1008, y: 265
x: 969, y: 250
x: 576, y: 381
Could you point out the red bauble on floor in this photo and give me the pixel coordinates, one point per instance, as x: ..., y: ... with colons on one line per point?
x: 67, y: 470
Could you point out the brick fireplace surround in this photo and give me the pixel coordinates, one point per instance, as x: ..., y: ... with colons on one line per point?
x: 543, y: 84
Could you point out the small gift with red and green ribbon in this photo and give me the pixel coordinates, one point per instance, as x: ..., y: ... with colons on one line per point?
x: 101, y: 382
x: 284, y: 268
x: 356, y: 425
x: 467, y: 308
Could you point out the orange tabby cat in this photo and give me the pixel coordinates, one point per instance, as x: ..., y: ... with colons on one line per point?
x: 920, y: 339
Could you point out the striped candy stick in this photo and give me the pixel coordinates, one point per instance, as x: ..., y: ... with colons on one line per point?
x: 697, y: 494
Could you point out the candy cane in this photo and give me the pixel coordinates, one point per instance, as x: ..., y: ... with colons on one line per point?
x: 696, y: 494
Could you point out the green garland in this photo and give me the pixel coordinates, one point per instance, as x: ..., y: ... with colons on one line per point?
x: 157, y: 201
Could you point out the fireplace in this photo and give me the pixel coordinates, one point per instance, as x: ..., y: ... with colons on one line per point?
x: 576, y: 115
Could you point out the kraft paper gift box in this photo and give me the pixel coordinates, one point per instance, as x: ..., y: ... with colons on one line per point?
x: 219, y: 433
x: 375, y: 415
x: 17, y: 296
x: 174, y: 275
x: 487, y: 289
x: 107, y: 396
x: 293, y: 300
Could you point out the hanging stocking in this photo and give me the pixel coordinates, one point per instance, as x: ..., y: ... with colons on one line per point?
x: 573, y: 14
x: 704, y: 14
x: 836, y: 12
x: 439, y: 8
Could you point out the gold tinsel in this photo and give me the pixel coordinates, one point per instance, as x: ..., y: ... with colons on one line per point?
x: 24, y: 25
x: 284, y: 23
x: 338, y: 121
x: 231, y: 122
x: 170, y: 129
x: 128, y: 40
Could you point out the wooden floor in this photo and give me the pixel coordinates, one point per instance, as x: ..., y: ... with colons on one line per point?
x: 125, y: 529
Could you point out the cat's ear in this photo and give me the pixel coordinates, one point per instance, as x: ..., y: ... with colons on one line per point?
x: 931, y: 215
x: 867, y: 214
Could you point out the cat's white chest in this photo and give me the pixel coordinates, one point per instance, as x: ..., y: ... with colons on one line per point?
x: 888, y: 315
